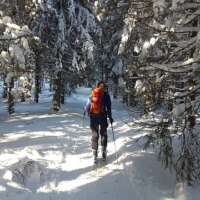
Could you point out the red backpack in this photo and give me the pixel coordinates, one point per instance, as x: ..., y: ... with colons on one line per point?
x: 96, y: 101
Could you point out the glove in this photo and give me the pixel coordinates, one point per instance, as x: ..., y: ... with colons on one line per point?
x: 111, y: 120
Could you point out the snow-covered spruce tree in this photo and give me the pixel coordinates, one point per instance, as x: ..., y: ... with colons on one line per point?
x: 48, y: 33
x: 163, y: 50
x: 111, y: 18
x: 60, y: 36
x: 83, y: 35
x: 186, y: 86
x: 140, y: 45
x: 71, y: 31
x: 14, y: 45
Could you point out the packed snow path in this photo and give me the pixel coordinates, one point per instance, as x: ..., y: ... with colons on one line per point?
x: 47, y: 156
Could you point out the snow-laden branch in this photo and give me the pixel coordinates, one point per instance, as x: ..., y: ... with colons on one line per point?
x: 183, y: 46
x: 164, y: 29
x: 187, y: 5
x: 10, y: 38
x: 186, y: 93
x: 190, y: 18
x: 182, y: 67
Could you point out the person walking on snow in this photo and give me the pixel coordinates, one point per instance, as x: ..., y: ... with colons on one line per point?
x: 99, y: 109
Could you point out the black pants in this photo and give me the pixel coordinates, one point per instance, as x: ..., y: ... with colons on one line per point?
x: 98, y: 125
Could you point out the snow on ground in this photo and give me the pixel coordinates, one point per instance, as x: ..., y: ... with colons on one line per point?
x: 47, y: 156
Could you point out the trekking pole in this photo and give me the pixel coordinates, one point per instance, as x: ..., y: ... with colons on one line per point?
x: 83, y: 119
x: 114, y: 143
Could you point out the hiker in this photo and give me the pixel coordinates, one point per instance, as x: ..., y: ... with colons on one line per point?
x: 99, y: 109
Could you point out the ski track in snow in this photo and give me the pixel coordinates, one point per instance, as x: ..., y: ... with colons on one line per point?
x: 47, y: 156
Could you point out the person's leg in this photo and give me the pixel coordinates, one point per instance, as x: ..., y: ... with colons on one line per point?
x: 104, y: 139
x: 95, y: 132
x: 95, y: 136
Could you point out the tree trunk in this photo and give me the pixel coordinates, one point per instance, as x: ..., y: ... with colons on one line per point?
x: 5, y: 88
x: 115, y: 86
x: 11, y: 103
x: 131, y: 99
x: 62, y: 101
x: 57, y: 94
x: 37, y: 84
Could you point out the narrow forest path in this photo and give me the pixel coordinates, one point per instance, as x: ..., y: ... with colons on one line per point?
x: 47, y: 156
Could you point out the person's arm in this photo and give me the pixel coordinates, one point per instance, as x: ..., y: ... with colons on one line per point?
x: 108, y: 107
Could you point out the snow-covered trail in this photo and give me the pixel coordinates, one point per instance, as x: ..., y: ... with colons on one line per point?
x: 47, y: 156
